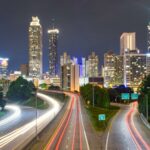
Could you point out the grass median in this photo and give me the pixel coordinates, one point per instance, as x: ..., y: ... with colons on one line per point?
x: 40, y: 103
x: 93, y: 113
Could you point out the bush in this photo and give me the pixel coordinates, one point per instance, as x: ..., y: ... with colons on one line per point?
x: 101, y: 97
x: 20, y: 89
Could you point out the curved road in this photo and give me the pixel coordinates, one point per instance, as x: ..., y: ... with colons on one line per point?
x: 125, y: 131
x: 20, y: 136
x: 70, y: 133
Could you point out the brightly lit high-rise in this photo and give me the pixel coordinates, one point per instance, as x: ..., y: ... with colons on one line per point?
x: 53, y: 37
x: 127, y: 42
x: 35, y: 48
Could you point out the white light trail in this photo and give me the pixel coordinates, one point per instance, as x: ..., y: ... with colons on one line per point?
x: 15, y: 114
x: 42, y: 121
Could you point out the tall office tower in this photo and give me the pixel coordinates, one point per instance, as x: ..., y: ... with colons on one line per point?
x: 35, y: 48
x: 53, y: 38
x: 87, y: 68
x: 109, y: 69
x: 148, y: 49
x: 83, y: 68
x: 134, y: 69
x: 148, y: 37
x: 127, y: 42
x: 119, y: 70
x: 64, y: 59
x: 93, y: 62
x: 70, y: 77
x: 3, y: 67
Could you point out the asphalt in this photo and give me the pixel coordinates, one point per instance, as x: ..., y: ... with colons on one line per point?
x: 70, y: 134
x: 127, y: 131
x: 19, y: 132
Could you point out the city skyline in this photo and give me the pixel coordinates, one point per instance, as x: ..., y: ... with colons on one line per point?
x: 97, y: 35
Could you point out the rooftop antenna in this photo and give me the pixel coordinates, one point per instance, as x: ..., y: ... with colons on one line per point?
x: 53, y: 23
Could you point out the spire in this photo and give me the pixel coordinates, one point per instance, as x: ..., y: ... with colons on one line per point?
x: 53, y: 23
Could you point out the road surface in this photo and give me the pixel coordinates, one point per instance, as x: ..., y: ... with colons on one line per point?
x: 125, y: 131
x: 22, y: 134
x: 70, y: 133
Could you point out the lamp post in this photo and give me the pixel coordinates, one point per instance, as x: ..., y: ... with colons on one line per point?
x: 93, y: 96
x: 36, y: 105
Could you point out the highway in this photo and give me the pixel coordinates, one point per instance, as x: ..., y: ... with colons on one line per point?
x: 70, y: 133
x: 20, y: 136
x: 125, y: 131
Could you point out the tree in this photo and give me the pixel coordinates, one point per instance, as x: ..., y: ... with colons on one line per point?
x: 144, y: 91
x: 54, y: 87
x: 101, y: 97
x: 20, y: 89
x: 2, y: 102
x: 43, y: 86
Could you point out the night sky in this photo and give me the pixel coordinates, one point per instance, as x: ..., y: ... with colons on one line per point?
x: 84, y: 25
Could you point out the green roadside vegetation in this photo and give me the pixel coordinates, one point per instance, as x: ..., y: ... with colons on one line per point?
x: 93, y: 113
x: 31, y: 102
x: 101, y: 105
x: 144, y: 98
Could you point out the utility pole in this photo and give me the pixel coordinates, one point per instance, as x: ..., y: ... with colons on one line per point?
x: 146, y: 106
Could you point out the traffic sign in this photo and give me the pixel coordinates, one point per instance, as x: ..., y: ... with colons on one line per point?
x: 125, y: 96
x: 134, y: 96
x: 101, y: 117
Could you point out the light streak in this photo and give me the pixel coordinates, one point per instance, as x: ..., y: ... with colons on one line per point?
x: 16, y: 113
x: 42, y: 121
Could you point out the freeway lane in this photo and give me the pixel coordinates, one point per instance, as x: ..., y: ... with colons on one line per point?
x: 22, y: 135
x: 136, y: 136
x: 123, y: 132
x: 70, y: 133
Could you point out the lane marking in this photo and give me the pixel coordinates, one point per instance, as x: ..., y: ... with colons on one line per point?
x: 74, y: 131
x: 58, y: 127
x: 64, y: 130
x: 109, y: 129
x: 106, y: 147
x: 87, y: 143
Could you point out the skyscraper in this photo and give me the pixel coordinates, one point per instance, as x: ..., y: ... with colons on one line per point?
x: 127, y: 42
x: 148, y: 50
x: 53, y: 37
x: 65, y: 59
x: 134, y: 69
x: 35, y: 48
x: 148, y: 37
x: 93, y: 62
x: 109, y: 69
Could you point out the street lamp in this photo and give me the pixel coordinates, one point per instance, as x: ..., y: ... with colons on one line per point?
x: 36, y: 105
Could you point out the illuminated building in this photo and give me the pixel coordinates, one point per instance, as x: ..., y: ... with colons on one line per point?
x: 83, y: 68
x: 109, y: 69
x: 92, y: 64
x: 119, y: 69
x: 70, y: 77
x: 134, y: 69
x: 35, y: 48
x: 3, y: 67
x: 127, y: 42
x: 64, y: 59
x: 24, y: 69
x: 148, y: 48
x: 53, y: 38
x: 148, y: 37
